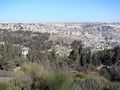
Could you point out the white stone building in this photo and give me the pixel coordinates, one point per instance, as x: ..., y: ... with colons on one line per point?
x: 24, y: 51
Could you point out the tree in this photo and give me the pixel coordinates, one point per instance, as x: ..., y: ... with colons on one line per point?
x: 82, y: 60
x: 53, y: 55
x: 95, y: 59
x: 117, y: 53
x: 6, y: 57
x: 88, y: 57
x: 77, y: 44
x: 74, y: 55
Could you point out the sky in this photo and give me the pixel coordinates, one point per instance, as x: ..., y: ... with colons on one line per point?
x: 59, y: 10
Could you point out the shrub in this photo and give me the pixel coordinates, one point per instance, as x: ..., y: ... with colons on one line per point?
x: 95, y: 83
x: 105, y: 73
x: 4, y: 85
x: 61, y: 82
x: 115, y: 86
x: 32, y: 76
x: 86, y: 84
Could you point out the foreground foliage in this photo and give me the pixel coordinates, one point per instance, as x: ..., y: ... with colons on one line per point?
x: 32, y: 76
x: 95, y: 83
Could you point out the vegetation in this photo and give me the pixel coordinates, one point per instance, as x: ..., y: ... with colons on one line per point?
x: 32, y: 76
x: 44, y: 69
x: 95, y: 83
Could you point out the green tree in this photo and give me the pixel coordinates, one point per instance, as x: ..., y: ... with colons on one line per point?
x: 6, y: 57
x: 95, y: 59
x: 88, y: 57
x: 77, y: 44
x: 53, y: 55
x: 74, y: 55
x: 117, y: 54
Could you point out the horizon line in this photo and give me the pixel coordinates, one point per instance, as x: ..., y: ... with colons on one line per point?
x: 65, y: 22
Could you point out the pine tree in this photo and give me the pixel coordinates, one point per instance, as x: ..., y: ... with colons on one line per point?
x: 74, y: 55
x: 53, y: 55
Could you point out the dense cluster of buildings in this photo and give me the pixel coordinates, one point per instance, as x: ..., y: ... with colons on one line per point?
x: 97, y: 36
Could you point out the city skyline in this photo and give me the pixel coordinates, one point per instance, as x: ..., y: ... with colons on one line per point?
x: 59, y: 11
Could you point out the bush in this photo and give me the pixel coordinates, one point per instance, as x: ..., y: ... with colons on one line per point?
x: 92, y: 68
x: 61, y: 82
x: 32, y: 76
x: 4, y: 73
x: 4, y: 85
x: 96, y: 83
x: 105, y: 73
x: 115, y: 86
